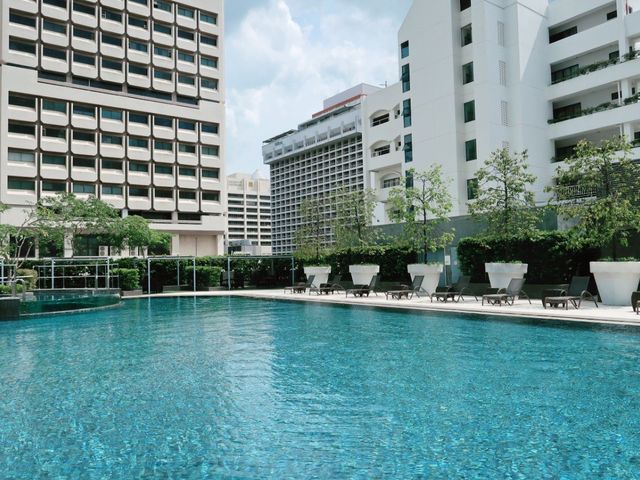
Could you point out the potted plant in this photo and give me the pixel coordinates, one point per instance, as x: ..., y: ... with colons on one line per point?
x: 362, y: 274
x: 129, y: 281
x: 501, y: 273
x: 598, y: 189
x: 616, y: 280
x: 422, y: 205
x: 320, y: 272
x: 504, y: 204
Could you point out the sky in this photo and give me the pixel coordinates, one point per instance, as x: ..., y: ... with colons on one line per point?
x: 284, y: 57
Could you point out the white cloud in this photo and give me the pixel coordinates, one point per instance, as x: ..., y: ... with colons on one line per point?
x: 285, y: 57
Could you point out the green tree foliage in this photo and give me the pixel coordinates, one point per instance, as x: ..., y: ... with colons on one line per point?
x: 598, y: 188
x: 504, y: 202
x: 54, y: 219
x: 353, y: 215
x: 311, y: 237
x: 423, y: 208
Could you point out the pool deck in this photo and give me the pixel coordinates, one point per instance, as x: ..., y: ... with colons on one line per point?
x: 588, y: 313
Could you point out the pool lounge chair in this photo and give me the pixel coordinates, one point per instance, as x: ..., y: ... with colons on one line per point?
x: 362, y: 290
x: 301, y: 287
x: 635, y: 302
x: 443, y: 294
x: 408, y: 291
x: 328, y: 288
x: 574, y: 295
x: 509, y: 295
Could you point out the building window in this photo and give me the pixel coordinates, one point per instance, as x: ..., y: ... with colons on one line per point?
x: 51, y: 159
x: 187, y: 125
x: 163, y: 170
x: 84, y: 8
x: 504, y: 113
x: 140, y: 118
x: 162, y: 28
x: 15, y: 16
x: 467, y: 73
x: 162, y: 5
x: 380, y: 151
x: 469, y: 111
x: 21, y: 156
x: 84, y: 111
x: 186, y: 195
x: 467, y: 35
x: 138, y: 167
x: 470, y: 150
x: 565, y: 74
x: 186, y: 12
x: 210, y: 150
x: 406, y: 112
x: 472, y: 189
x: 84, y: 162
x: 159, y: 121
x: 406, y: 78
x: 22, y: 101
x: 112, y: 190
x: 54, y: 106
x: 111, y: 164
x: 207, y: 18
x: 408, y: 181
x: 112, y: 64
x: 112, y: 15
x: 22, y: 46
x: 186, y: 34
x: 54, y: 27
x: 84, y: 188
x: 391, y: 182
x: 404, y: 49
x: 137, y: 142
x: 464, y: 4
x: 611, y: 15
x: 18, y: 183
x: 112, y: 139
x: 159, y: 193
x: 211, y: 173
x: 138, y: 22
x: 206, y: 40
x: 54, y: 132
x: 187, y: 148
x: 84, y: 59
x: 187, y: 172
x: 51, y: 186
x: 138, y: 192
x: 210, y: 128
x: 111, y: 115
x: 568, y: 32
x: 164, y: 146
x: 408, y: 148
x: 211, y: 196
x: 84, y: 136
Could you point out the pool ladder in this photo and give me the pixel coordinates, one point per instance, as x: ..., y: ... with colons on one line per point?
x: 14, y: 285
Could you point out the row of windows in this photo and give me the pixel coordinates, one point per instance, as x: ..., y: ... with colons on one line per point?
x: 27, y: 184
x: 166, y: 6
x: 106, y: 113
x: 89, y: 136
x: 29, y: 157
x: 20, y: 18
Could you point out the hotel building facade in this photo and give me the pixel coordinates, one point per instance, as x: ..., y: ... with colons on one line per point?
x: 122, y: 100
x: 479, y: 75
x: 249, y: 214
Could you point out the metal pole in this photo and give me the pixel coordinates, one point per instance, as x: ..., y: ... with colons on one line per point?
x: 148, y: 276
x: 229, y: 273
x: 293, y: 271
x: 2, y: 271
x: 108, y: 279
x: 53, y: 278
x: 194, y: 274
x: 178, y: 273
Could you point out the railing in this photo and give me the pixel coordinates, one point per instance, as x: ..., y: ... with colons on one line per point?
x: 594, y: 67
x: 600, y: 108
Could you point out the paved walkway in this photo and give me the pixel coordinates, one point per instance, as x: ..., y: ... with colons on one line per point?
x: 587, y: 313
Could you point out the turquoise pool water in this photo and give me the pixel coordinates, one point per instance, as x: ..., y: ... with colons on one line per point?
x: 236, y: 388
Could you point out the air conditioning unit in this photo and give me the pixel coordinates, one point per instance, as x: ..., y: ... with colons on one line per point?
x: 103, y: 251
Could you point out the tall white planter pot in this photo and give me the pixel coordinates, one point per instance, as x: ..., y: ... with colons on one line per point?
x: 616, y: 281
x: 361, y: 274
x: 430, y: 272
x: 500, y: 274
x: 321, y: 274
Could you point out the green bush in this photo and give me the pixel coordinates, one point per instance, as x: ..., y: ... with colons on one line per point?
x: 205, y: 277
x: 129, y: 278
x: 549, y: 255
x: 31, y: 277
x: 6, y: 289
x: 393, y: 260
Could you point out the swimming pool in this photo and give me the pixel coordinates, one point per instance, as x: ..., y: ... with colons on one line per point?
x: 230, y: 387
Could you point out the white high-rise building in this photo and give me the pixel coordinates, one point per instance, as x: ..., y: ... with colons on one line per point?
x: 321, y: 157
x: 120, y: 100
x: 479, y: 75
x: 249, y: 214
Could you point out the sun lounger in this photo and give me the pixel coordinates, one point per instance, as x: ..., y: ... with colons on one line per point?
x: 362, y: 290
x: 574, y: 295
x: 509, y: 295
x: 635, y: 302
x: 453, y: 292
x: 328, y: 288
x: 408, y: 291
x: 301, y: 287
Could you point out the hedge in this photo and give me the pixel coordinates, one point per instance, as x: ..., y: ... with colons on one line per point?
x: 393, y: 261
x: 550, y: 257
x: 129, y: 278
x: 205, y: 277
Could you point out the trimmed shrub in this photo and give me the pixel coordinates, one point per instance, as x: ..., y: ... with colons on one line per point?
x: 550, y: 257
x: 393, y: 261
x: 129, y: 278
x: 31, y: 277
x: 205, y: 277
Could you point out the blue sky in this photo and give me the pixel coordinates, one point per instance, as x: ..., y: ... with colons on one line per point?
x: 283, y: 57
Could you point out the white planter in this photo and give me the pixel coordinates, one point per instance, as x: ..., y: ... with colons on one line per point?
x: 362, y: 274
x: 500, y: 274
x: 616, y: 281
x: 431, y: 274
x: 321, y: 274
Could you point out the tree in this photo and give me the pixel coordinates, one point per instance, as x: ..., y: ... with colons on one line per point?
x: 598, y: 187
x: 133, y: 232
x: 423, y: 207
x: 354, y: 212
x: 310, y: 236
x: 504, y: 202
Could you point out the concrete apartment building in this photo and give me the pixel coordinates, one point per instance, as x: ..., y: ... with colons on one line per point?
x: 249, y: 199
x: 120, y: 100
x: 478, y: 75
x: 314, y: 161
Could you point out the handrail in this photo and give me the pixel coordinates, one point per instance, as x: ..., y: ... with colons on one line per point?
x: 24, y: 288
